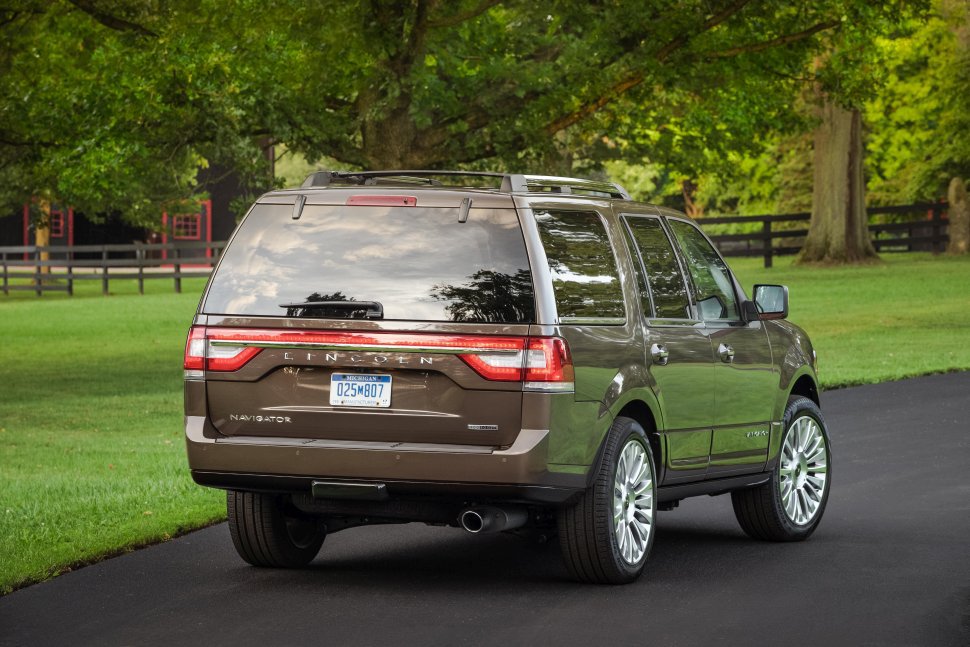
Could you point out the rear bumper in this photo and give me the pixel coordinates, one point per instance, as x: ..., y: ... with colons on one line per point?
x: 292, y: 464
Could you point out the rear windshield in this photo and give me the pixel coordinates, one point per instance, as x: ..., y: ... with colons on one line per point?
x: 357, y: 262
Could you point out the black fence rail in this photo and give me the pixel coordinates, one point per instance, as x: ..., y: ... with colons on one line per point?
x: 766, y: 236
x: 23, y: 267
x: 770, y: 236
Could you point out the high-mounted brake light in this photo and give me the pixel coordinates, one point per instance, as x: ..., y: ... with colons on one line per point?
x: 382, y: 201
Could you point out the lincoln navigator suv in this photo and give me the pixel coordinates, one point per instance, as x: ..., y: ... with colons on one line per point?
x: 494, y: 353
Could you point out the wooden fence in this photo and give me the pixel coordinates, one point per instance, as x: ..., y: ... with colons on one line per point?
x: 926, y: 232
x: 23, y: 269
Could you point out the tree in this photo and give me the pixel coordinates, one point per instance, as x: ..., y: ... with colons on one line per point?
x: 959, y: 218
x: 115, y: 105
x: 839, y: 230
x: 916, y: 124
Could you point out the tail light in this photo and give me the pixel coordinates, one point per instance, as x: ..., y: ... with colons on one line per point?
x: 194, y: 362
x: 202, y: 355
x: 548, y: 366
x: 539, y: 363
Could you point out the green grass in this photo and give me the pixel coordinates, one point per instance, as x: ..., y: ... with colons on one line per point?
x: 907, y: 316
x: 92, y: 460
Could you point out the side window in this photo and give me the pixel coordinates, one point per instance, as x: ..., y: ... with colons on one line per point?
x: 582, y: 264
x: 665, y: 281
x: 714, y: 292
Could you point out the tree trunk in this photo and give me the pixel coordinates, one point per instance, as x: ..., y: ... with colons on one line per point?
x: 959, y: 218
x: 692, y: 208
x: 42, y: 232
x: 839, y: 229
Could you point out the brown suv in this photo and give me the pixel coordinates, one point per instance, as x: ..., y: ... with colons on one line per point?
x: 387, y: 347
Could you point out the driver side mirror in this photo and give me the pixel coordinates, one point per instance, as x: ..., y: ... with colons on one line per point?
x: 771, y: 301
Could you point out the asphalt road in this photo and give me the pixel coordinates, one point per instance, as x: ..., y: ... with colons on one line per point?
x: 889, y: 565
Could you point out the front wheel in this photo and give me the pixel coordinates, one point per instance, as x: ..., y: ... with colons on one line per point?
x: 265, y: 533
x: 607, y: 535
x: 790, y: 505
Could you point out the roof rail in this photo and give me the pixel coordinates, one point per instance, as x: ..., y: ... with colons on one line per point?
x: 568, y: 185
x: 325, y: 178
x: 511, y: 183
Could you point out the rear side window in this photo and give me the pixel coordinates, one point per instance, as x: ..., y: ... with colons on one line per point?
x: 582, y: 264
x: 362, y: 262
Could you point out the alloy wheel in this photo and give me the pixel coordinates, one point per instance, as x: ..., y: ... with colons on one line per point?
x: 633, y: 502
x: 802, y: 475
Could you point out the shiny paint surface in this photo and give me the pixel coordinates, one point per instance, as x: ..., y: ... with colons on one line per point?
x: 711, y: 418
x: 683, y: 379
x: 685, y: 389
x: 742, y: 411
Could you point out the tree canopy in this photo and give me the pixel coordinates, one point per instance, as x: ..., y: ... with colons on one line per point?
x: 115, y: 105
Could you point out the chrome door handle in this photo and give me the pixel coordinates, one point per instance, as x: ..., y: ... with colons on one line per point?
x: 726, y: 353
x: 660, y: 354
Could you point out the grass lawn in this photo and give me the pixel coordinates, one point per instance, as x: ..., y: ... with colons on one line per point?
x: 909, y: 315
x: 92, y: 459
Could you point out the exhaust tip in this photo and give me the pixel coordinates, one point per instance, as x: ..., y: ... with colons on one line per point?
x: 472, y: 521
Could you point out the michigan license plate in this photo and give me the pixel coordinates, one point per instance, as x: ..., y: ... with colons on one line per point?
x: 360, y: 390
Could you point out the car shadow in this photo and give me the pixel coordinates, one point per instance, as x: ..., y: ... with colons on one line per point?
x: 447, y: 559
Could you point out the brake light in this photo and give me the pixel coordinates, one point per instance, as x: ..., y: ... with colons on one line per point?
x: 548, y: 365
x: 505, y: 362
x: 382, y: 201
x: 194, y: 361
x: 540, y: 363
x: 202, y: 355
x: 228, y: 358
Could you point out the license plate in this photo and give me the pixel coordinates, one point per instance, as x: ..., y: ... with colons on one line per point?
x: 360, y: 390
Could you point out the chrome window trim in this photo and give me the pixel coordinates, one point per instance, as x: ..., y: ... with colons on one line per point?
x: 594, y: 321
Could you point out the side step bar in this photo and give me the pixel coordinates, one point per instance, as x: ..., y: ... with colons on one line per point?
x: 713, y: 487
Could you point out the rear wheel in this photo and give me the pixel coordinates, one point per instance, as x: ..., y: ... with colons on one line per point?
x: 266, y: 534
x: 790, y: 505
x: 607, y: 535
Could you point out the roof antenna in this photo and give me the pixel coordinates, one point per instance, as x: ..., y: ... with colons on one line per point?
x: 466, y: 205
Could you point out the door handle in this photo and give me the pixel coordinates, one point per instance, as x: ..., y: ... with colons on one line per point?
x: 726, y: 353
x: 660, y: 354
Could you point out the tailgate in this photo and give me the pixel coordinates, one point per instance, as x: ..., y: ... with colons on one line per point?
x: 415, y: 389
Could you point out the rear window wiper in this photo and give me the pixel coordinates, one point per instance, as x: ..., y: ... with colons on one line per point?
x: 346, y: 309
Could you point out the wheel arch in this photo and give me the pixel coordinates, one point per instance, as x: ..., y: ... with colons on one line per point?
x: 805, y: 386
x: 640, y: 411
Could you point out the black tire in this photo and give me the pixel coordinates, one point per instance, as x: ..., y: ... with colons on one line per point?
x: 264, y: 535
x: 761, y: 511
x: 586, y: 530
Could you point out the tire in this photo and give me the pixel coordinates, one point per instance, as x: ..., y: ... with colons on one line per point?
x: 265, y: 536
x: 596, y: 548
x: 790, y: 505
